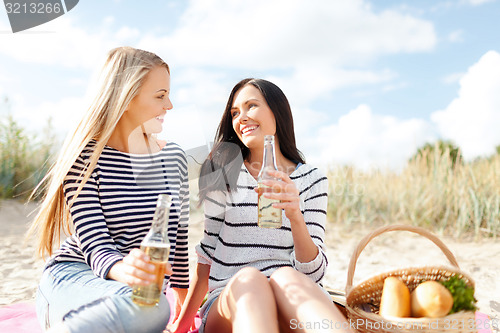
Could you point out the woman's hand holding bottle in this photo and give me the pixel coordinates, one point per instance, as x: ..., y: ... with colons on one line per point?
x: 285, y: 191
x: 135, y: 269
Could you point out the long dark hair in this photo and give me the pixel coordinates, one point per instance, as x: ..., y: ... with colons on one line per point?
x: 222, y: 166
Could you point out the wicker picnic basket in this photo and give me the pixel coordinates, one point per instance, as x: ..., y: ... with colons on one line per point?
x: 363, y: 300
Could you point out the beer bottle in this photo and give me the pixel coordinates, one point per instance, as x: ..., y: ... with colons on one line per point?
x: 269, y: 217
x: 157, y: 246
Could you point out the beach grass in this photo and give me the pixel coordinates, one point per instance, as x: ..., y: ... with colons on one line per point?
x: 431, y: 191
x: 24, y: 158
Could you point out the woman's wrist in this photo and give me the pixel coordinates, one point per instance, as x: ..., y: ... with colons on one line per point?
x: 114, y: 271
x: 305, y: 249
x: 296, y: 219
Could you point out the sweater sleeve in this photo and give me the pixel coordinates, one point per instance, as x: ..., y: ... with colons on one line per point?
x: 180, y: 266
x: 215, y: 205
x: 91, y: 231
x: 314, y: 210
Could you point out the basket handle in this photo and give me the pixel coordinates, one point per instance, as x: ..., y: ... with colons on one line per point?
x: 396, y: 227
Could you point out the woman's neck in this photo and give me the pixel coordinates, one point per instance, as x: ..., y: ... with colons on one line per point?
x: 254, y: 162
x: 133, y: 142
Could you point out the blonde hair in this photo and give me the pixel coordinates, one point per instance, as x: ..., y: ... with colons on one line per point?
x: 121, y: 78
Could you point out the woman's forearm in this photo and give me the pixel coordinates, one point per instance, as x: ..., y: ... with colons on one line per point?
x: 180, y: 294
x: 195, y: 295
x: 305, y: 249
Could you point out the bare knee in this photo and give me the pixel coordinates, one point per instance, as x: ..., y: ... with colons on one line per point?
x: 249, y: 274
x: 247, y: 287
x: 287, y: 275
x: 291, y: 286
x: 247, y: 279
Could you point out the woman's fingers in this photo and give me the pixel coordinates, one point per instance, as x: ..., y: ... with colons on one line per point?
x: 280, y: 190
x: 139, y: 268
x: 281, y: 175
x: 140, y: 260
x: 284, y: 190
x: 283, y: 197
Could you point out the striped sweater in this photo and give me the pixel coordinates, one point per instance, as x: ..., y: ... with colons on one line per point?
x: 232, y: 240
x: 115, y: 208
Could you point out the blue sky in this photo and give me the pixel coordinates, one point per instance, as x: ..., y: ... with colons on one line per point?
x: 369, y: 81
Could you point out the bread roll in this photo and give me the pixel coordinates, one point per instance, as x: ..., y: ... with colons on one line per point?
x: 431, y: 299
x: 395, y: 300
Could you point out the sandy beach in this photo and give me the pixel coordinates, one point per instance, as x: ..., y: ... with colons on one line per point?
x: 19, y: 271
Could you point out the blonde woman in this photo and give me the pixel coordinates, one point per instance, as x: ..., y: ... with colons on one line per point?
x: 102, y: 192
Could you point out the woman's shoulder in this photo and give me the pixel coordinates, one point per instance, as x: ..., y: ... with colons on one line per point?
x: 173, y: 150
x: 307, y: 171
x: 170, y: 146
x: 87, y: 151
x: 310, y: 180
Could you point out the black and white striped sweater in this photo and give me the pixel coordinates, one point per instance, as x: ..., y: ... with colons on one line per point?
x: 232, y: 240
x: 114, y: 211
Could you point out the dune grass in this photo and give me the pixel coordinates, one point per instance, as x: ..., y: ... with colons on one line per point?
x: 431, y: 191
x: 24, y: 158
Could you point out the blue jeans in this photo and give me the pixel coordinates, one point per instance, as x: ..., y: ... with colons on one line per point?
x: 70, y: 292
x: 204, y: 315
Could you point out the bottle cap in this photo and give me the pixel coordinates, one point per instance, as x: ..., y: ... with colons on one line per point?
x: 269, y: 138
x: 164, y: 200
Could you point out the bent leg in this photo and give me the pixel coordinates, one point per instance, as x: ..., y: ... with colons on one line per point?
x: 118, y: 314
x: 245, y: 305
x: 70, y: 293
x: 302, y: 305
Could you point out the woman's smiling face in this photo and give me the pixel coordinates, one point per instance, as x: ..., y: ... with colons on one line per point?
x: 148, y: 108
x: 251, y: 116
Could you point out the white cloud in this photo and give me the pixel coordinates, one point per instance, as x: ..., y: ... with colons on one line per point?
x: 315, y: 46
x: 312, y: 80
x: 199, y: 97
x: 186, y: 126
x: 280, y: 34
x: 306, y: 123
x: 193, y: 85
x: 367, y: 140
x: 309, y: 41
x: 311, y: 48
x: 64, y: 114
x: 472, y: 120
x: 62, y: 42
x: 199, y: 100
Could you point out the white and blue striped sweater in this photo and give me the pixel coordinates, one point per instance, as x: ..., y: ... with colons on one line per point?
x: 115, y: 208
x: 232, y: 240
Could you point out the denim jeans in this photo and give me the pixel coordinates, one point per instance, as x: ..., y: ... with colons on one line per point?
x: 204, y: 315
x: 70, y: 292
